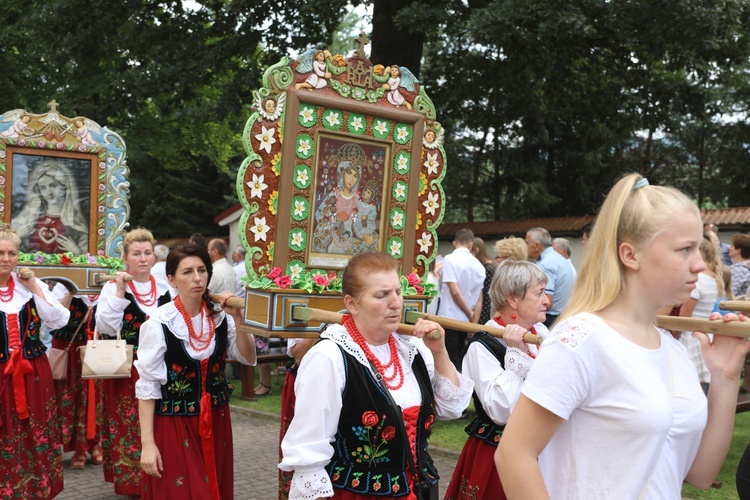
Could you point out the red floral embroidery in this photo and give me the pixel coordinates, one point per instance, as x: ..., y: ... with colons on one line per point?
x: 370, y: 419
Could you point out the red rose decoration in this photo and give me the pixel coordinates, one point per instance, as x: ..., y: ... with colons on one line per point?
x: 413, y: 279
x: 428, y: 423
x: 65, y: 260
x: 128, y: 317
x: 274, y: 273
x: 283, y: 281
x: 389, y: 433
x: 370, y: 419
x: 321, y: 280
x: 177, y: 368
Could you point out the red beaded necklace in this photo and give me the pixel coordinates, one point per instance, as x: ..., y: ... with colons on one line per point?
x: 7, y: 295
x: 195, y: 339
x: 395, y: 362
x: 532, y: 331
x: 147, y: 299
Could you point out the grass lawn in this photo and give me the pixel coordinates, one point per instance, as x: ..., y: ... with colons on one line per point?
x: 450, y: 434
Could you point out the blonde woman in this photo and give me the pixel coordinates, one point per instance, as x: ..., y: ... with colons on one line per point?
x: 511, y: 248
x: 613, y: 407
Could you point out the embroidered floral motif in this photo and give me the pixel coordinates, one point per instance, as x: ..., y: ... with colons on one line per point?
x: 180, y: 380
x: 375, y: 434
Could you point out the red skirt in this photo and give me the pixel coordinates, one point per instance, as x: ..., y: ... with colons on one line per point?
x: 184, y: 474
x: 121, y: 435
x: 73, y: 409
x: 475, y: 475
x: 287, y: 414
x: 30, y: 451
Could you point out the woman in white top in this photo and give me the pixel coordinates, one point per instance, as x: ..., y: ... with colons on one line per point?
x: 498, y: 368
x: 613, y: 407
x: 347, y: 440
x: 701, y: 303
x: 31, y: 455
x: 182, y: 390
x: 124, y: 307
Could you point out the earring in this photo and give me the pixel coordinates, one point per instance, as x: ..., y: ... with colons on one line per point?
x: 514, y: 315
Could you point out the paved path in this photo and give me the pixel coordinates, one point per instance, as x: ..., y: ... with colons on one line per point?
x: 256, y: 438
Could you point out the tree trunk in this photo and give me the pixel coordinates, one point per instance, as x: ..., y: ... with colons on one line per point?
x: 391, y: 44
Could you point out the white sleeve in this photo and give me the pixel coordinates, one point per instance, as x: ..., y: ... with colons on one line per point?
x: 232, y: 352
x: 450, y: 400
x: 497, y: 388
x: 306, y: 447
x: 51, y: 312
x: 152, y: 370
x: 109, y: 310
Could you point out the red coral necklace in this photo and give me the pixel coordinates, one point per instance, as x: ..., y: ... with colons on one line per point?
x: 195, y: 339
x: 147, y: 299
x: 395, y: 362
x: 7, y: 295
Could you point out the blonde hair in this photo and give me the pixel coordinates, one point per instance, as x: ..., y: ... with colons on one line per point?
x: 137, y: 235
x: 512, y: 248
x: 709, y: 249
x: 8, y: 234
x: 633, y: 213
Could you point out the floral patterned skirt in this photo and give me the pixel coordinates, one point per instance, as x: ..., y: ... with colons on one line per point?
x: 121, y: 435
x: 475, y: 476
x: 30, y: 452
x: 184, y: 474
x: 73, y: 409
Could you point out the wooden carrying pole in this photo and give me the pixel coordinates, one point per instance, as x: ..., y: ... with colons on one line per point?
x: 465, y: 326
x: 717, y: 327
x: 735, y: 305
x: 323, y: 316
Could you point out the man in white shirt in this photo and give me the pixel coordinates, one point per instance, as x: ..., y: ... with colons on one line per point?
x: 562, y: 246
x: 463, y: 278
x: 223, y: 278
x: 238, y: 258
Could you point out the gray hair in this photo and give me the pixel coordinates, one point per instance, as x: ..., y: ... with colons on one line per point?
x: 563, y: 244
x: 513, y: 278
x: 240, y: 250
x: 541, y: 236
x: 161, y: 252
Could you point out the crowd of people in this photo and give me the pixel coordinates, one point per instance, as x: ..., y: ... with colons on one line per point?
x: 605, y: 381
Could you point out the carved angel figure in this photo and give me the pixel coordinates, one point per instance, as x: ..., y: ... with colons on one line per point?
x: 400, y: 77
x: 19, y: 126
x: 83, y: 131
x: 315, y: 61
x: 271, y: 107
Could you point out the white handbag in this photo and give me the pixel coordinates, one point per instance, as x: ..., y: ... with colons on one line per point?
x: 106, y: 358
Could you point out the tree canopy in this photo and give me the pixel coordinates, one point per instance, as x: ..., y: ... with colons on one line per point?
x: 544, y: 103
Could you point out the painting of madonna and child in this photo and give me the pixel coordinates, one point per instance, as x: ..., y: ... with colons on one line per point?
x: 348, y: 200
x: 50, y: 202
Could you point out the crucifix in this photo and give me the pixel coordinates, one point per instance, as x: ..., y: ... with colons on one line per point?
x: 361, y: 40
x: 52, y: 106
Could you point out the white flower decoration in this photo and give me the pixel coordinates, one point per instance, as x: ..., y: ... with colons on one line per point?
x: 260, y: 228
x: 302, y: 176
x: 306, y: 114
x: 357, y: 123
x: 431, y: 164
x: 431, y: 204
x: 398, y: 220
x: 400, y: 190
x: 295, y: 271
x: 425, y: 242
x: 333, y: 119
x: 267, y: 139
x: 402, y: 163
x: 381, y: 127
x: 257, y: 186
x: 304, y: 146
x: 395, y: 248
x: 402, y: 133
x: 299, y: 208
x: 298, y: 239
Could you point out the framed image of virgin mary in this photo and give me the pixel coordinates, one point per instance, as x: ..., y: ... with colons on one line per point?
x: 50, y: 200
x: 348, y: 198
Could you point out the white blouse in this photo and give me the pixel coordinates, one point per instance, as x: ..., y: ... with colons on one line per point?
x: 152, y: 346
x: 110, y: 308
x: 51, y: 312
x: 497, y: 388
x: 319, y: 387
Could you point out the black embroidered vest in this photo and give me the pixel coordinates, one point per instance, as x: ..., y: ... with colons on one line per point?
x: 133, y: 317
x: 78, y: 309
x: 483, y: 427
x: 29, y: 333
x: 181, y: 395
x: 369, y: 451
